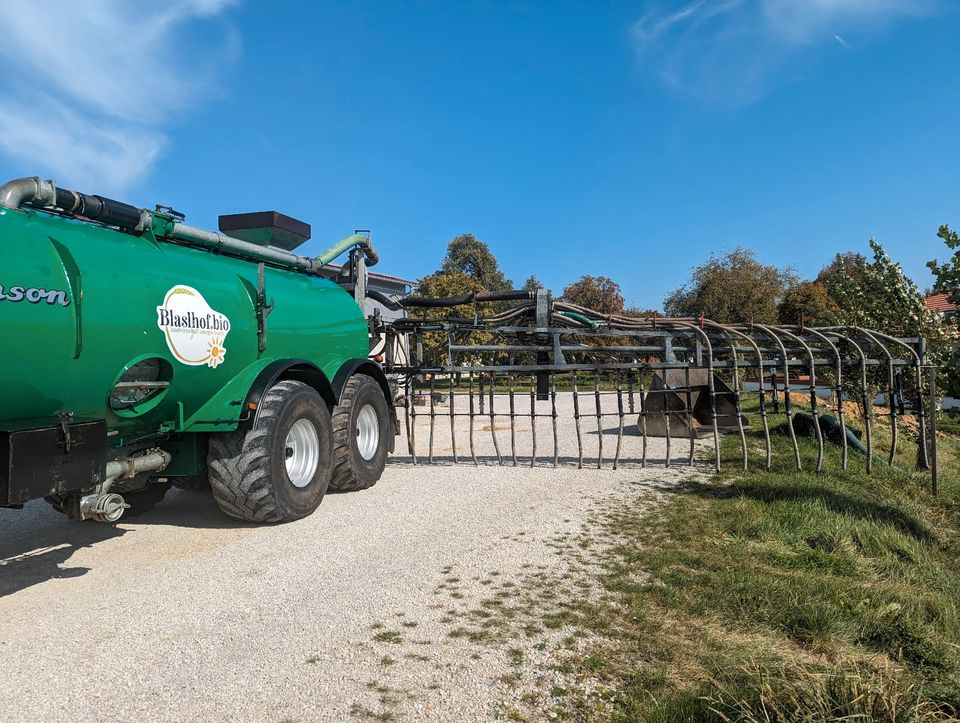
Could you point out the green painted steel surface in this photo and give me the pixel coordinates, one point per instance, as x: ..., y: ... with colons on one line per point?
x: 64, y: 351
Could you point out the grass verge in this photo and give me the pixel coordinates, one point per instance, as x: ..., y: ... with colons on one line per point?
x: 783, y: 596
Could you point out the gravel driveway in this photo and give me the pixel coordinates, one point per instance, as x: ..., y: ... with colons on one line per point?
x: 185, y: 614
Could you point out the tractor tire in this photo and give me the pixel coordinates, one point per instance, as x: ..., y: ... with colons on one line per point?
x: 279, y: 470
x: 361, y: 433
x: 141, y: 501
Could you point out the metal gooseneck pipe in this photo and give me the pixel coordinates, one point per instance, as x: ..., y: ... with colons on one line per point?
x: 356, y: 239
x: 218, y: 240
x: 33, y: 191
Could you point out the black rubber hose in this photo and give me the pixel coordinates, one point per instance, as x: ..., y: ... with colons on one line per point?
x: 69, y: 201
x: 384, y: 299
x: 426, y: 301
x: 98, y: 208
x: 505, y: 295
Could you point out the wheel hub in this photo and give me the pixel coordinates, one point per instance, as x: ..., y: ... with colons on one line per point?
x: 368, y: 432
x: 302, y: 452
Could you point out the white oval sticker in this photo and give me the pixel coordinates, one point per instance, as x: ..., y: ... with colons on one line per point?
x: 195, y: 333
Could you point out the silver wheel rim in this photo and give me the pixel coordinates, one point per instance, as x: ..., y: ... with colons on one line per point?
x: 302, y: 452
x: 368, y: 432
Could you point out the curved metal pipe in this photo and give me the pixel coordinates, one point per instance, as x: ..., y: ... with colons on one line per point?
x: 727, y: 331
x: 32, y: 190
x: 710, y: 386
x: 866, y: 402
x: 838, y: 388
x: 345, y: 244
x: 813, y: 394
x: 891, y: 405
x: 786, y: 390
x: 917, y: 363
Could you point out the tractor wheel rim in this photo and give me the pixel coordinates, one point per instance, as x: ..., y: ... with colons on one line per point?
x: 302, y: 452
x: 368, y: 432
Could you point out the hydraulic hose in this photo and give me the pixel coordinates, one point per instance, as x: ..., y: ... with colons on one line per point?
x: 576, y: 316
x: 384, y: 299
x: 468, y: 298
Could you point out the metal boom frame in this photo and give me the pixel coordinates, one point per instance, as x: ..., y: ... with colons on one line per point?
x: 660, y: 371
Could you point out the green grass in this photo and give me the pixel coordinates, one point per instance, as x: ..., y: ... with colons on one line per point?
x: 388, y: 636
x: 949, y: 423
x: 785, y: 595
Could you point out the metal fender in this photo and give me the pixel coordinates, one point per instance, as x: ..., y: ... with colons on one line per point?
x: 373, y: 370
x: 299, y: 370
x: 362, y: 366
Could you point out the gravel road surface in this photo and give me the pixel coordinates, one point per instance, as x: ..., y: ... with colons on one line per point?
x: 185, y: 614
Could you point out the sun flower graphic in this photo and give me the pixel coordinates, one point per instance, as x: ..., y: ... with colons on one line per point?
x: 215, y: 351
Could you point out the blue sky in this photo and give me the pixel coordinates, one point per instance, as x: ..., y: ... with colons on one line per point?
x: 630, y: 139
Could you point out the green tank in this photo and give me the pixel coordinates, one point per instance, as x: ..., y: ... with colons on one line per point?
x: 135, y: 341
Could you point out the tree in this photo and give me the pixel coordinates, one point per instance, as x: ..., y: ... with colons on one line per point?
x: 734, y: 288
x: 443, y: 284
x: 845, y: 265
x: 948, y: 274
x: 533, y: 283
x: 808, y: 303
x: 598, y: 293
x: 446, y: 283
x: 470, y: 256
x: 948, y: 281
x: 878, y: 295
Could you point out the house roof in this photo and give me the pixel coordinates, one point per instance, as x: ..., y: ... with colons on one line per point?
x: 939, y: 303
x: 375, y: 275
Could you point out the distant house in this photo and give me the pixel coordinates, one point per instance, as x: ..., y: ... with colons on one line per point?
x: 393, y: 286
x: 940, y: 304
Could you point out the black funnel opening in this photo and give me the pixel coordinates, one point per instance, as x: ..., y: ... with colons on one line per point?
x: 266, y: 228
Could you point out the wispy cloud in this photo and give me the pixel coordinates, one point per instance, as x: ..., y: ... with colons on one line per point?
x: 737, y: 51
x: 88, y: 89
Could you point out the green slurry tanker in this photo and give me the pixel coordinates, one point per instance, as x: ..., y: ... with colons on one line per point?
x: 140, y: 352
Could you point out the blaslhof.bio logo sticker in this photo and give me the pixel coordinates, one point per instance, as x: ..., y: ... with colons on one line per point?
x: 195, y: 333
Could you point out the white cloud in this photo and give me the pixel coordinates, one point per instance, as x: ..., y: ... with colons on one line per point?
x: 737, y: 51
x: 87, y: 87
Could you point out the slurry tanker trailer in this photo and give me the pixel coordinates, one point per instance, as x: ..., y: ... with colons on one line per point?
x: 139, y: 352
